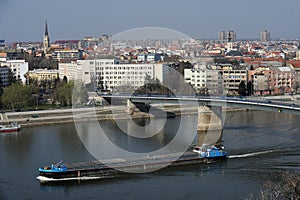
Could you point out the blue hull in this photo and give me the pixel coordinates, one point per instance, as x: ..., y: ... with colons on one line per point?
x: 211, y: 152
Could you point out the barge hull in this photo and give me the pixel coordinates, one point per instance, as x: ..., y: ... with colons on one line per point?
x: 96, y: 168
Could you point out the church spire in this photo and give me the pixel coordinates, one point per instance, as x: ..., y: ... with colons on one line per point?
x: 46, y: 42
x: 46, y: 29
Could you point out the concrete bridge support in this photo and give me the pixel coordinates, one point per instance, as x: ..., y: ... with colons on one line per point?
x: 210, y: 125
x: 210, y: 122
x: 132, y: 107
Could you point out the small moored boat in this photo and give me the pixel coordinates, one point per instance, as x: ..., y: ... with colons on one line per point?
x: 211, y: 152
x: 12, y: 127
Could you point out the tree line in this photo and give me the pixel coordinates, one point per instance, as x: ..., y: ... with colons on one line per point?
x: 57, y: 93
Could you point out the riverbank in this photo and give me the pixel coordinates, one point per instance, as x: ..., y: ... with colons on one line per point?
x: 58, y: 116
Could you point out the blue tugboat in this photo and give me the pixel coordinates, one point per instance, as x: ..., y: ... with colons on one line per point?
x: 211, y: 152
x: 58, y: 167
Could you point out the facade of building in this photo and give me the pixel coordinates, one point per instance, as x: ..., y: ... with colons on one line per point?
x: 222, y: 36
x: 232, y: 79
x: 68, y: 70
x: 5, y: 75
x: 151, y: 57
x: 203, y: 79
x: 261, y: 84
x: 18, y: 68
x: 67, y: 55
x: 231, y: 36
x: 227, y: 36
x: 43, y: 75
x: 111, y: 74
x: 283, y: 80
x: 273, y: 80
x: 265, y: 36
x: 90, y: 42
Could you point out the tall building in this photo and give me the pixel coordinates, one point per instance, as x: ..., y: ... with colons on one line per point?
x: 227, y: 36
x: 265, y: 36
x: 46, y: 41
x: 222, y: 36
x: 231, y: 36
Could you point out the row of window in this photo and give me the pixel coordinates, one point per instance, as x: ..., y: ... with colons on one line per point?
x: 124, y: 73
x: 122, y: 78
x: 120, y: 83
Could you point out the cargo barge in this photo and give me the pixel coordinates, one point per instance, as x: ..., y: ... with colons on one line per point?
x: 119, y: 166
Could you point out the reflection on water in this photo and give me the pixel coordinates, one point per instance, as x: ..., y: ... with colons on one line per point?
x: 245, y: 133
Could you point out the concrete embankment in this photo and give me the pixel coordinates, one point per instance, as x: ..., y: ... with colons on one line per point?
x: 46, y: 117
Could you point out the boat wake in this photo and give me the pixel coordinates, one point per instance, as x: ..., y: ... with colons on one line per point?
x: 263, y: 152
x: 84, y: 178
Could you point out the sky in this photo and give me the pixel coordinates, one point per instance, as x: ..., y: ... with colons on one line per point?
x: 24, y: 20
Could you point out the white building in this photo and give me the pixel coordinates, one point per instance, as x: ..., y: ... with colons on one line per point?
x: 111, y: 74
x: 69, y: 70
x: 204, y: 79
x: 265, y: 36
x: 67, y: 54
x: 18, y: 67
x: 196, y: 77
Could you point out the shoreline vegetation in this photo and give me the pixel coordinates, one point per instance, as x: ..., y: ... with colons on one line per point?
x: 59, y: 116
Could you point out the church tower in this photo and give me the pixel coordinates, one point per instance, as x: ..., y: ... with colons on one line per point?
x: 46, y: 42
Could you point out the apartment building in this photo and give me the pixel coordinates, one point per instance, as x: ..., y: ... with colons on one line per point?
x: 18, y: 67
x: 4, y: 75
x: 74, y: 54
x: 203, y: 79
x: 272, y: 80
x: 111, y: 74
x: 232, y: 79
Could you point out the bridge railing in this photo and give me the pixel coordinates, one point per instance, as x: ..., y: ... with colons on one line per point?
x: 255, y: 99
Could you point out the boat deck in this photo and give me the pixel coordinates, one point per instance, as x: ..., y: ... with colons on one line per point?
x: 137, y: 163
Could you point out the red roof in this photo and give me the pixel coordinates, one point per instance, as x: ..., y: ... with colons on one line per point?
x: 295, y: 63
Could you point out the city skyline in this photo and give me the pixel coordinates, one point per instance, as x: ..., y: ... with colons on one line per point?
x: 24, y: 21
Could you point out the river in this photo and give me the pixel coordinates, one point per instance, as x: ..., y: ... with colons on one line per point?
x: 260, y: 145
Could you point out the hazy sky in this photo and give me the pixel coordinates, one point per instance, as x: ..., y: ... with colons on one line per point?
x: 23, y: 20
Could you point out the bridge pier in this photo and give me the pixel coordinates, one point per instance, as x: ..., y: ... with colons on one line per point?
x: 210, y: 122
x: 131, y: 107
x: 210, y: 125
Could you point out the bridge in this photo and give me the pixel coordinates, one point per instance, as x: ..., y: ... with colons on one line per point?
x: 210, y: 109
x: 254, y: 103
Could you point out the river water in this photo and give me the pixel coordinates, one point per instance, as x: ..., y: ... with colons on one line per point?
x: 260, y: 144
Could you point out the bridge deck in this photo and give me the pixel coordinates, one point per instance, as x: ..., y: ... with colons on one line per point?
x: 292, y: 107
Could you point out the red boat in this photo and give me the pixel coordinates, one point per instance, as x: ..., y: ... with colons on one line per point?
x: 12, y: 127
